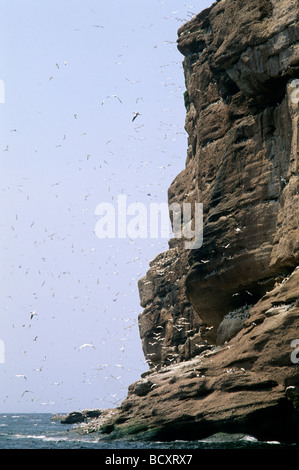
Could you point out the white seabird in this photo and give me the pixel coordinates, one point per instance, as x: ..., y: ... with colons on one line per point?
x: 87, y: 345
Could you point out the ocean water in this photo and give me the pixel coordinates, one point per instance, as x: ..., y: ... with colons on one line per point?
x: 38, y: 431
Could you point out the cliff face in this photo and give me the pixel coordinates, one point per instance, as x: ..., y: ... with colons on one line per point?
x: 218, y: 322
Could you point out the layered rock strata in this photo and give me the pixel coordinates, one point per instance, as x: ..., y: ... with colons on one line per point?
x: 249, y: 385
x: 219, y: 322
x: 241, y: 63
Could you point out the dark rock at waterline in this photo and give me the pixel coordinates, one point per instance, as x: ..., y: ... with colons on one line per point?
x: 91, y: 413
x: 73, y: 417
x: 80, y: 416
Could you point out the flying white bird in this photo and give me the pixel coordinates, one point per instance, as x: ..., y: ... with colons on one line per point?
x: 32, y: 314
x: 86, y: 345
x: 112, y: 96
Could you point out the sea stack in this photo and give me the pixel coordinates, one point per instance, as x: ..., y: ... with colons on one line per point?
x: 219, y: 323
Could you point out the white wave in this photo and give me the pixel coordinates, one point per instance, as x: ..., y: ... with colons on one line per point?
x: 57, y: 439
x: 28, y: 436
x: 249, y: 438
x: 67, y: 439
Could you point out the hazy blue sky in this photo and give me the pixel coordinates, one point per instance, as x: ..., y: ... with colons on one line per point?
x: 67, y: 144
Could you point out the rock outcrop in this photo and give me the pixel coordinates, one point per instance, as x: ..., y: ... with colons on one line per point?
x: 241, y: 60
x: 248, y: 385
x: 80, y: 416
x: 219, y: 321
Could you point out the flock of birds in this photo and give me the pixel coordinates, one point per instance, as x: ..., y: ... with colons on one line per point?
x: 130, y: 323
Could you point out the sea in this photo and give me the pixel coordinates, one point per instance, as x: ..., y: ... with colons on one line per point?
x: 41, y: 431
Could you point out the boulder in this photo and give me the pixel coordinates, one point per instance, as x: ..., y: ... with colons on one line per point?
x: 80, y: 416
x: 73, y: 417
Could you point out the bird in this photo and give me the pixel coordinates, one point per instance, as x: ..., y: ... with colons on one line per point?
x: 135, y: 115
x: 87, y: 345
x: 101, y: 367
x: 132, y: 81
x: 112, y: 96
x: 32, y: 314
x: 21, y: 376
x: 26, y: 391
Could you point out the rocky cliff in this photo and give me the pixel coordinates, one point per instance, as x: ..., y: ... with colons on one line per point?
x: 219, y: 322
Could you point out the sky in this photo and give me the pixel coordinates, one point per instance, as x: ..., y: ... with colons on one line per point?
x: 73, y: 74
